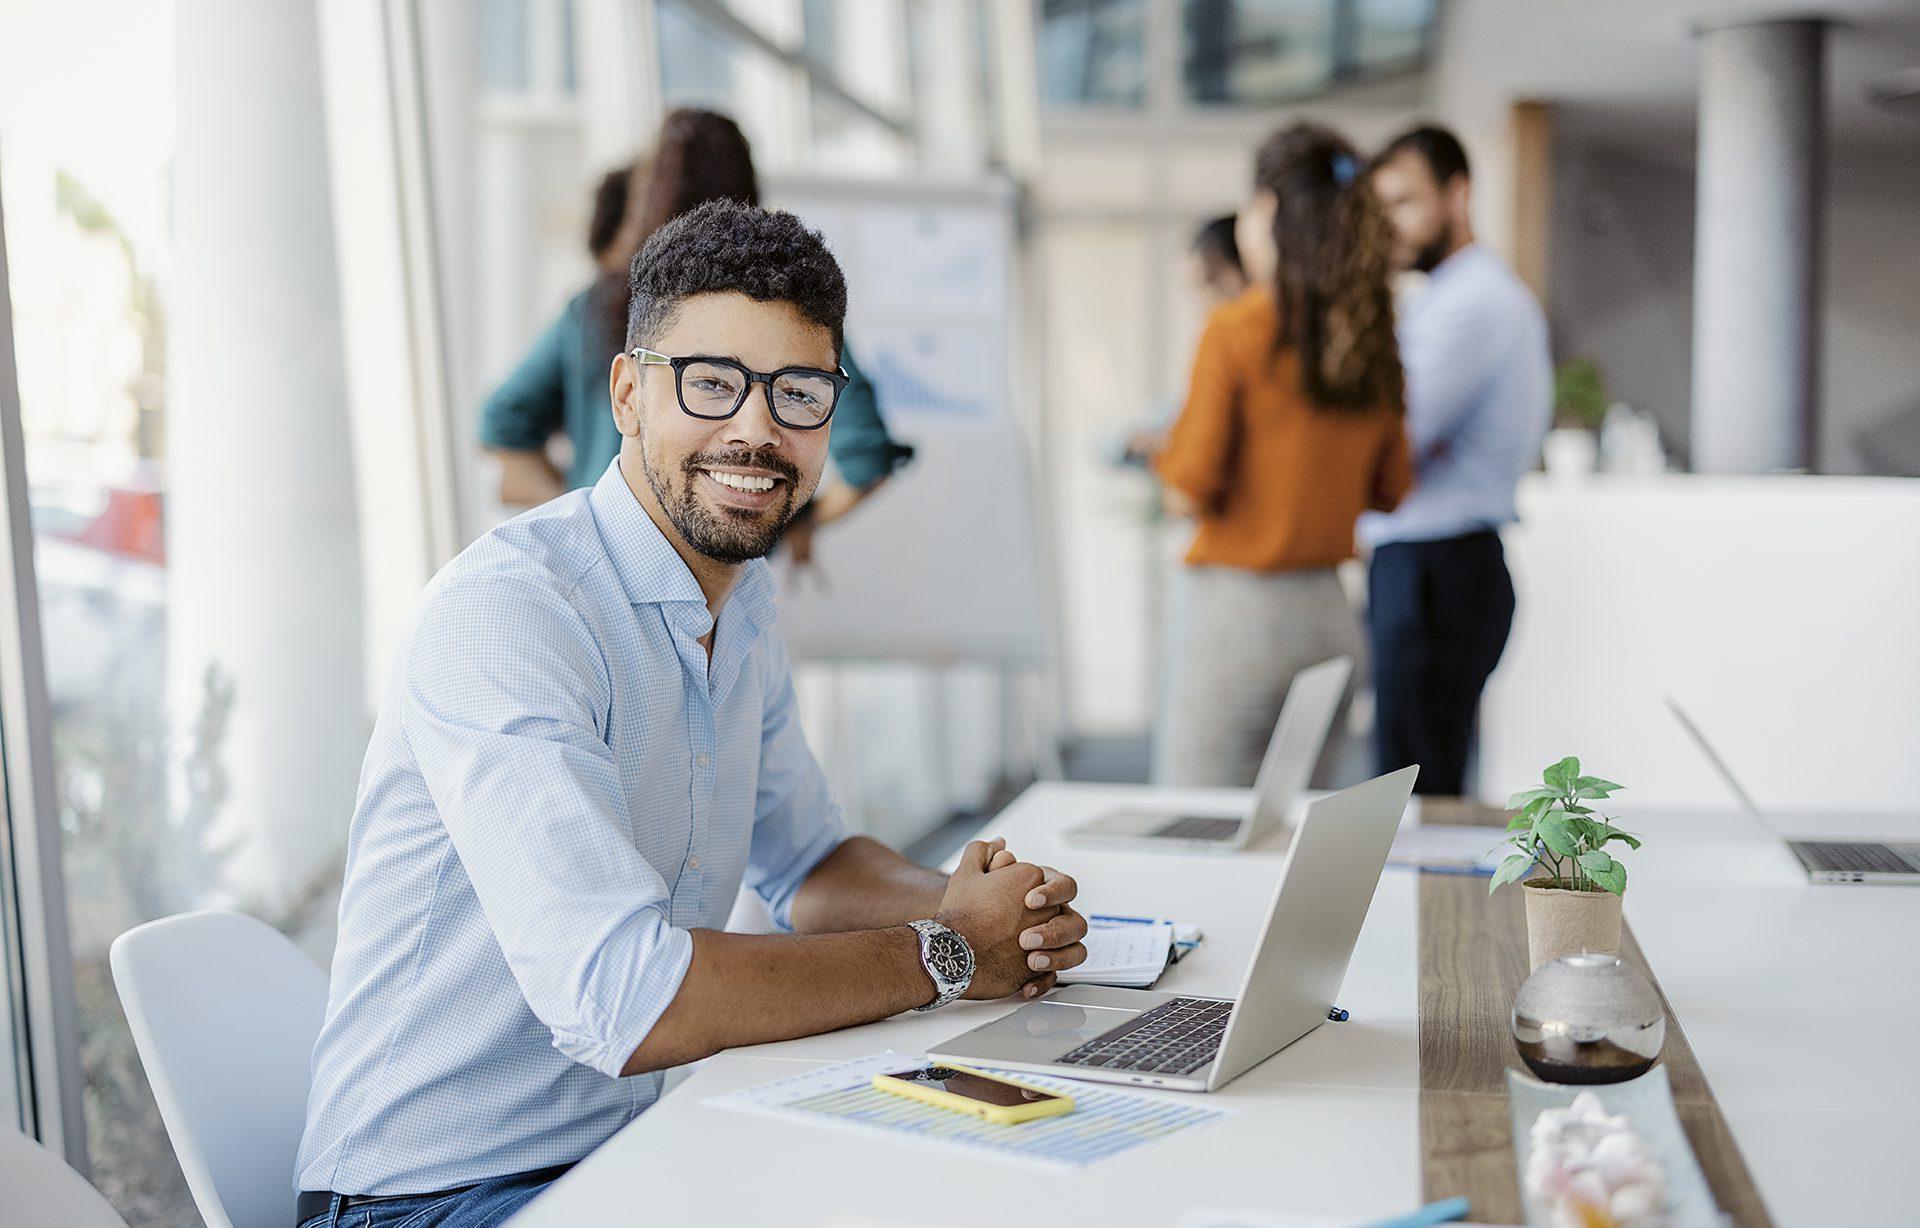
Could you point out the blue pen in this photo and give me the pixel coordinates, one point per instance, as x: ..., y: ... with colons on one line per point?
x: 1111, y: 920
x: 1443, y: 1212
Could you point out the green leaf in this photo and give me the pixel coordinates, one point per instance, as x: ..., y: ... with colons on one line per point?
x: 1593, y: 861
x: 1592, y: 832
x: 1594, y: 786
x: 1539, y: 806
x: 1526, y: 796
x: 1557, y: 833
x: 1614, y: 833
x: 1510, y: 871
x: 1560, y: 776
x: 1519, y: 820
x: 1614, y: 878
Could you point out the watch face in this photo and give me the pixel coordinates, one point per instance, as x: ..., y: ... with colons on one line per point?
x: 948, y: 956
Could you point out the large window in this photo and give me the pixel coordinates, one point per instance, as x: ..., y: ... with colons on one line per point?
x: 1108, y: 54
x: 1093, y: 53
x: 1263, y: 52
x: 172, y: 291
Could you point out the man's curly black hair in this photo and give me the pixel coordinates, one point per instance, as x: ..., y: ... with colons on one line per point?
x: 726, y: 246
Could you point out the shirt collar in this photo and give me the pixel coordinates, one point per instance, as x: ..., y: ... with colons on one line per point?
x: 652, y: 571
x: 1466, y: 257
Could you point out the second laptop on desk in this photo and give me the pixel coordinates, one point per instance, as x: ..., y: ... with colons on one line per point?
x: 1298, y: 737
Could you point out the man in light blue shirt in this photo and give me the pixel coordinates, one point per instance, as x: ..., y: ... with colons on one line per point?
x: 591, y: 742
x: 1479, y: 398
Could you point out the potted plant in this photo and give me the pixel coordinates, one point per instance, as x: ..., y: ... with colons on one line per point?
x: 1575, y: 907
x: 1572, y: 447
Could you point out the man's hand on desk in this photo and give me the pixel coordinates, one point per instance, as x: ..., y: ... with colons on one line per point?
x: 1016, y: 917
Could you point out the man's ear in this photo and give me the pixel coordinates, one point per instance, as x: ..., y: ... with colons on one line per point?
x: 1460, y: 201
x: 623, y: 389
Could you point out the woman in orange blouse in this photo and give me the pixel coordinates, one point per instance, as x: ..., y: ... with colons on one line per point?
x: 1292, y: 428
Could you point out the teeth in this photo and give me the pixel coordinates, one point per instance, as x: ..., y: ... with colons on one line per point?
x: 741, y: 481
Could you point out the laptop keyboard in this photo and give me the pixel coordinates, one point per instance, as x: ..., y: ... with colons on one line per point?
x: 1195, y: 827
x: 1177, y: 1037
x: 1859, y: 858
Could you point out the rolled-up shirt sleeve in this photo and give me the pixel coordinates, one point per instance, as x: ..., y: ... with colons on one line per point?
x: 796, y: 821
x: 504, y: 691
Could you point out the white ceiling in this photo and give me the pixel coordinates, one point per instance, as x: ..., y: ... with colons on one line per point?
x: 1625, y: 69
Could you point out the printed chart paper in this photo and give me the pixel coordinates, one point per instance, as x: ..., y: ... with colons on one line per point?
x: 1103, y: 1123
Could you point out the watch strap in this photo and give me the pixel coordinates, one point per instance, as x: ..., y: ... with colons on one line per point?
x: 950, y: 976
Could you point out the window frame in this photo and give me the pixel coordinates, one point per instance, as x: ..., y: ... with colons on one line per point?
x: 37, y: 962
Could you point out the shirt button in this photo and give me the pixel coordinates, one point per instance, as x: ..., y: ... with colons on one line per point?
x: 693, y: 863
x: 701, y: 758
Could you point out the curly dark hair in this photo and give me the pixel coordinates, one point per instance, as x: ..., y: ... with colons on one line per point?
x: 1332, y: 286
x: 724, y: 246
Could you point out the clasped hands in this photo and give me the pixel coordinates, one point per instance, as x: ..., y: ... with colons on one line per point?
x: 1017, y: 917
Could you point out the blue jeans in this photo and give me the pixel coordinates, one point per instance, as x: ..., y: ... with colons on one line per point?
x: 480, y: 1206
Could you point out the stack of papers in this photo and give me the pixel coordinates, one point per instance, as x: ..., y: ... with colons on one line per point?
x: 1130, y: 954
x: 1449, y: 848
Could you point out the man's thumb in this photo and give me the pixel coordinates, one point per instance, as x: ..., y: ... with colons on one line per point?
x: 973, y: 858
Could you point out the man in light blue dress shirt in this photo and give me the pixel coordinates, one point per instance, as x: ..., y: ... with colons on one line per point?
x: 590, y: 743
x: 1479, y: 399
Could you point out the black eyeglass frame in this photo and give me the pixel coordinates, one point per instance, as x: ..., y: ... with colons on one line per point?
x: 838, y: 377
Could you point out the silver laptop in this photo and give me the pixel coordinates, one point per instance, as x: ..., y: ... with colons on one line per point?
x: 1313, y: 700
x: 1826, y: 861
x: 1199, y: 1044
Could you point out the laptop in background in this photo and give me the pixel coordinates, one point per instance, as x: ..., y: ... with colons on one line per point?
x: 1825, y: 861
x: 1313, y: 700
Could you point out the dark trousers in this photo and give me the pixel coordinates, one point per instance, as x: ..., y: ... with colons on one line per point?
x: 1438, y: 613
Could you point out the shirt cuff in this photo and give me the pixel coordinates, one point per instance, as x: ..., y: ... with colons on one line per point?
x: 868, y: 465
x: 666, y: 969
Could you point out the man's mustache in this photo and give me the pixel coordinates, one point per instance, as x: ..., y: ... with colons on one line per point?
x: 744, y: 458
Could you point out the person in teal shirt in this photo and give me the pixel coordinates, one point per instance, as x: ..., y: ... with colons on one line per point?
x: 561, y: 385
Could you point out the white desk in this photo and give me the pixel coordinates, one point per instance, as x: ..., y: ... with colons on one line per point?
x: 1801, y: 1004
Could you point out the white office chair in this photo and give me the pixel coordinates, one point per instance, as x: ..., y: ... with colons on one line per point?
x: 224, y: 1011
x: 36, y: 1188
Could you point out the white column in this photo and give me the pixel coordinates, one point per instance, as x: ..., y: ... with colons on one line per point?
x: 262, y: 552
x: 1756, y: 246
x: 950, y: 113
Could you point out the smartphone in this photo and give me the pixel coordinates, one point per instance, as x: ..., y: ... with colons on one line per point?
x: 989, y: 1097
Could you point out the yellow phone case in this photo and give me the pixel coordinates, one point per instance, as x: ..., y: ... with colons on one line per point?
x: 999, y: 1114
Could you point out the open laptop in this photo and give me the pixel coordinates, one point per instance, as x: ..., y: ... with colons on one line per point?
x: 1298, y: 736
x: 1199, y: 1044
x: 1826, y: 861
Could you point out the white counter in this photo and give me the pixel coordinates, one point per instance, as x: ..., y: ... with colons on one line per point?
x: 1783, y: 612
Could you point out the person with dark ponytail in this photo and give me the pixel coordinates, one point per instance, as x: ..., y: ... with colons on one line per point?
x: 560, y: 386
x: 1292, y: 428
x: 699, y: 156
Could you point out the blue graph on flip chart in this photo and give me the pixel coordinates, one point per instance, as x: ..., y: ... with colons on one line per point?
x: 920, y: 371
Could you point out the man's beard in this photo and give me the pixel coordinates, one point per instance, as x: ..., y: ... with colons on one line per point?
x: 725, y: 535
x: 1428, y: 256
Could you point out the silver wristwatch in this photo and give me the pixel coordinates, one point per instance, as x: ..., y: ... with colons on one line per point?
x: 948, y: 960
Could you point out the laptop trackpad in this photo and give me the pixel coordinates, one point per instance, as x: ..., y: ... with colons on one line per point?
x: 1038, y: 1033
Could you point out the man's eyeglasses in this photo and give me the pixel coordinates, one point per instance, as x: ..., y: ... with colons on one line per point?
x: 801, y: 398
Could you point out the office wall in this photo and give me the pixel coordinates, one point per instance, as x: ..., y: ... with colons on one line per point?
x: 1623, y: 283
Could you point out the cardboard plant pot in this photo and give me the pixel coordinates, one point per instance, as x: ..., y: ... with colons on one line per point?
x: 1561, y: 921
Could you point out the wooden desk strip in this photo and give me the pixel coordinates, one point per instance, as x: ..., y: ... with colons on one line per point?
x: 1473, y: 957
